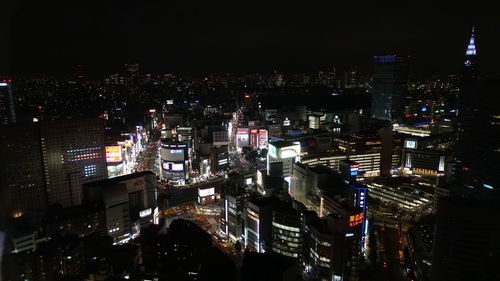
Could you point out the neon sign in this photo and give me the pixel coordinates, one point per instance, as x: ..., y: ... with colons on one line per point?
x: 355, y: 220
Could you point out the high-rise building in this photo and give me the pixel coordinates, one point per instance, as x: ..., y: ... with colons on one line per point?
x: 333, y: 251
x: 232, y: 207
x: 73, y: 153
x: 390, y: 81
x: 465, y: 242
x: 22, y: 185
x: 258, y: 221
x: 287, y: 231
x: 46, y: 163
x: 7, y: 109
x: 467, y: 224
x: 478, y: 144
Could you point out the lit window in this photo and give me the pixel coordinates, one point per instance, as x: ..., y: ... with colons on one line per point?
x: 90, y: 170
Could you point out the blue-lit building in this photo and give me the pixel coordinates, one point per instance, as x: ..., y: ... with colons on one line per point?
x: 390, y: 80
x: 7, y: 111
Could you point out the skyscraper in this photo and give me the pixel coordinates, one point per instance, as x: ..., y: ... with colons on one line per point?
x: 7, y: 111
x: 390, y: 81
x: 467, y: 226
x: 478, y: 143
x: 466, y: 240
x: 46, y: 163
x: 73, y: 154
x: 22, y: 186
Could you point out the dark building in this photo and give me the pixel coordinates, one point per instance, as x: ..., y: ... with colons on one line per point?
x: 466, y: 240
x: 477, y: 149
x: 190, y: 255
x: 59, y: 257
x: 333, y: 244
x: 268, y: 267
x: 390, y: 81
x: 219, y: 159
x: 22, y: 184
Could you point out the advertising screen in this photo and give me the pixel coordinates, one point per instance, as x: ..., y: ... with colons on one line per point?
x: 290, y: 151
x: 114, y: 154
x: 169, y: 154
x: 206, y: 192
x: 173, y: 167
x: 242, y: 137
x: 272, y: 150
x: 176, y: 167
x: 411, y: 144
x: 262, y: 138
x: 170, y: 101
x: 165, y: 166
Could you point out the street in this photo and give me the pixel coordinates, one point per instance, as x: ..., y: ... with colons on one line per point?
x: 388, y: 265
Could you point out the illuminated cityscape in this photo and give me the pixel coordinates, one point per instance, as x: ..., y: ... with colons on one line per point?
x: 221, y: 141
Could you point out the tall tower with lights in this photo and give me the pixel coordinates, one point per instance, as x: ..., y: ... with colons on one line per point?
x: 478, y: 144
x: 465, y: 240
x: 470, y: 71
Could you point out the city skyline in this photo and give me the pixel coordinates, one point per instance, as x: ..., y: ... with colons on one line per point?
x: 233, y: 141
x: 237, y: 38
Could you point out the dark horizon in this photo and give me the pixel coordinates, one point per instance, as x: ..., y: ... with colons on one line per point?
x: 203, y: 38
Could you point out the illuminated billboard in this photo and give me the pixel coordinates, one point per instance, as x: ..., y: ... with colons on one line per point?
x: 177, y: 167
x: 356, y: 219
x: 114, y: 154
x: 354, y: 169
x: 242, y: 137
x: 173, y: 154
x: 206, y: 192
x: 170, y: 102
x: 272, y: 151
x: 263, y: 139
x: 411, y: 144
x: 173, y: 167
x: 290, y: 151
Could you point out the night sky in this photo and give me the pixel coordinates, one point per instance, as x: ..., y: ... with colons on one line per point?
x: 187, y: 37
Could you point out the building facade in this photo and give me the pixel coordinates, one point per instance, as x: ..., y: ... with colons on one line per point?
x: 390, y: 80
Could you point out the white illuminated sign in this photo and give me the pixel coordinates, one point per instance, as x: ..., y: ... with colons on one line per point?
x: 145, y: 213
x: 206, y: 192
x: 290, y: 151
x: 177, y: 167
x: 411, y: 144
